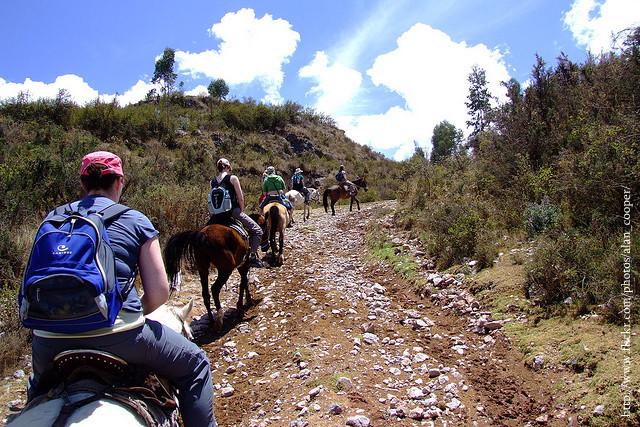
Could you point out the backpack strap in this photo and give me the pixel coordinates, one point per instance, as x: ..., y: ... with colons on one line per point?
x: 113, y: 211
x: 63, y: 210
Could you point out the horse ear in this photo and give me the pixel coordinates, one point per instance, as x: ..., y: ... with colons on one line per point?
x: 186, y: 310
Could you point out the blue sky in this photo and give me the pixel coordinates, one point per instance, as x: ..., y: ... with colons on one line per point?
x: 387, y: 71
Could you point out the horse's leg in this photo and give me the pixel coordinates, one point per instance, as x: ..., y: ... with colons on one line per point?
x: 204, y: 282
x: 281, y: 251
x: 333, y: 210
x: 357, y: 201
x: 244, y: 288
x: 272, y: 242
x: 351, y: 205
x: 222, y: 278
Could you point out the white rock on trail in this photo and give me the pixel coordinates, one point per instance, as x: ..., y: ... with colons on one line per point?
x: 335, y: 409
x: 358, y: 421
x: 315, y: 391
x: 227, y: 391
x: 416, y: 413
x: 370, y: 338
x: 415, y: 393
x: 344, y: 383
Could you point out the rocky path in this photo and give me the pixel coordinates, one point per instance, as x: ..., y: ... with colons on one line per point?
x: 339, y: 339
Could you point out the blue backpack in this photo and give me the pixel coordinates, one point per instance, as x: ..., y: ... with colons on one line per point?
x: 297, y: 179
x: 70, y: 283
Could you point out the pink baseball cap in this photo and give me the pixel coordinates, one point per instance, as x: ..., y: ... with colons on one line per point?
x: 111, y: 161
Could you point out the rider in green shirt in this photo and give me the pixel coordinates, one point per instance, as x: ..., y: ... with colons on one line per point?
x: 273, y: 186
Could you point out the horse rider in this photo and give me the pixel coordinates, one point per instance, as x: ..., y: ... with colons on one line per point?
x: 139, y: 341
x: 232, y: 184
x: 273, y: 187
x: 297, y: 183
x: 348, y: 186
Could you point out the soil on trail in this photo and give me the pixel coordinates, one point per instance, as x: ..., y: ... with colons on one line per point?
x: 337, y: 338
x: 337, y: 334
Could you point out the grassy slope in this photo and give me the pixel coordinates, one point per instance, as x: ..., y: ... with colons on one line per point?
x: 585, y: 348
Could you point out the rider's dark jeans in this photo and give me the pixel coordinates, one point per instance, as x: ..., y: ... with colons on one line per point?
x: 304, y: 192
x: 152, y: 346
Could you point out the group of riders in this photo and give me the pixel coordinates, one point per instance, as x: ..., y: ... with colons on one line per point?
x: 273, y: 190
x: 136, y: 248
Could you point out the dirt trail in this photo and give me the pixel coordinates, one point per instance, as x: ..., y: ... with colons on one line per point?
x: 337, y: 336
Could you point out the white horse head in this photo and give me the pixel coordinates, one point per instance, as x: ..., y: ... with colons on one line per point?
x: 314, y: 195
x: 104, y: 411
x: 175, y: 318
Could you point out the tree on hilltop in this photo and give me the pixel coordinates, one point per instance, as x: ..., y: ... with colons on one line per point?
x: 478, y: 104
x: 218, y: 89
x: 164, y: 73
x: 446, y: 141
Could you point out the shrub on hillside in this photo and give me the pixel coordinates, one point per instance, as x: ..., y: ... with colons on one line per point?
x: 56, y: 110
x: 540, y: 217
x: 572, y: 264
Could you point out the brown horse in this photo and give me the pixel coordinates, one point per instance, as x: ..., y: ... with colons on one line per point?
x: 337, y: 192
x: 274, y: 220
x: 215, y: 245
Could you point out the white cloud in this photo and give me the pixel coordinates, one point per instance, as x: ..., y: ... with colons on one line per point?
x: 200, y: 90
x: 336, y: 84
x: 250, y: 50
x: 593, y: 22
x: 79, y: 91
x: 429, y: 71
x: 136, y: 93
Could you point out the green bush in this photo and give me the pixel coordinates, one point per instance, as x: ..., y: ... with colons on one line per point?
x: 571, y: 264
x: 540, y: 217
x: 58, y: 110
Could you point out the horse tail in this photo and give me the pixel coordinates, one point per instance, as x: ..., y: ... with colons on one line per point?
x: 274, y: 216
x: 325, y: 203
x: 182, y: 245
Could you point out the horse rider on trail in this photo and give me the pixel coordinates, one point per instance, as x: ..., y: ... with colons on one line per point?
x: 297, y: 183
x: 139, y: 341
x: 348, y: 186
x: 231, y: 183
x: 273, y: 187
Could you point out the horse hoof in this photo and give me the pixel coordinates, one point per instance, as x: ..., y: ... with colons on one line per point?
x: 219, y: 319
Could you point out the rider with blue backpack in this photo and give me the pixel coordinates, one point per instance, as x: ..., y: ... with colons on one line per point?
x: 85, y: 258
x: 227, y: 199
x: 297, y: 183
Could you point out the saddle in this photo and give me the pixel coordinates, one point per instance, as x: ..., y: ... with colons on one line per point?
x: 91, y: 375
x: 229, y: 221
x: 277, y: 199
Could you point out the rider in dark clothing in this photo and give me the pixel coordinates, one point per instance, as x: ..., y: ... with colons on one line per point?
x: 297, y: 183
x: 232, y: 184
x: 341, y: 177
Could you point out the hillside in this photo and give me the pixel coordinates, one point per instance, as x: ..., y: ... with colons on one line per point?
x: 169, y: 149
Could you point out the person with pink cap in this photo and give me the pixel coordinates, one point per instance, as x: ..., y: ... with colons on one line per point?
x: 137, y: 340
